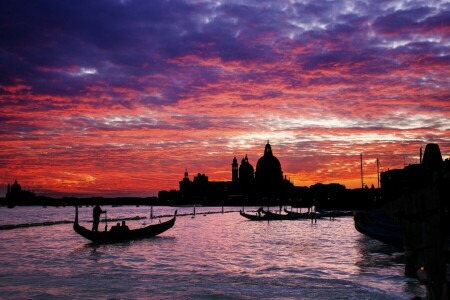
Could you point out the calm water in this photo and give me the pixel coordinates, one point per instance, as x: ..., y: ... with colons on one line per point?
x: 211, y: 256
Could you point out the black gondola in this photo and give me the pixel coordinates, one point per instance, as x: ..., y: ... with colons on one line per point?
x: 257, y: 217
x: 268, y: 216
x: 275, y: 216
x: 377, y: 225
x: 299, y: 215
x: 122, y: 235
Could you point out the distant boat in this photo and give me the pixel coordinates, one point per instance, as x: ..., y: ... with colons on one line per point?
x: 256, y: 217
x: 305, y: 215
x: 270, y: 216
x: 280, y: 216
x: 335, y: 213
x: 122, y: 235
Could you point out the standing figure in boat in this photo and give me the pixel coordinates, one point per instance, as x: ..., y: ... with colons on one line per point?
x: 97, y: 211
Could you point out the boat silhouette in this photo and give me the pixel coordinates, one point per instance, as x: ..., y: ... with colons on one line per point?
x: 112, y: 236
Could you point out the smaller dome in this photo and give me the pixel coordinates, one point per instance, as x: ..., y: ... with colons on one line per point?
x: 246, y: 171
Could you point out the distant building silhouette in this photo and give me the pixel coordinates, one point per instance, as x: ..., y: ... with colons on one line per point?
x: 16, y: 196
x: 246, y: 185
x: 234, y: 170
x: 14, y: 189
x: 186, y: 187
x: 266, y: 186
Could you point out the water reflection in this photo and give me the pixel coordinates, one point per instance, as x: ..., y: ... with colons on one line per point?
x: 220, y: 255
x: 374, y: 254
x: 384, y: 265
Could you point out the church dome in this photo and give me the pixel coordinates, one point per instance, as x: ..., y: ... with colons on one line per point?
x: 268, y: 168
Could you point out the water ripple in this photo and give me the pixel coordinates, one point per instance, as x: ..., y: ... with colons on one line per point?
x: 213, y: 256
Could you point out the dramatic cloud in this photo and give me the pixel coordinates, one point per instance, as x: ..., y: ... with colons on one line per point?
x: 120, y: 97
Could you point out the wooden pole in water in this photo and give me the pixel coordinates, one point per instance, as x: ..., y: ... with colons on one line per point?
x: 106, y: 221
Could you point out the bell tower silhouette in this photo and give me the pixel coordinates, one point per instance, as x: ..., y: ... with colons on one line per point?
x: 234, y: 170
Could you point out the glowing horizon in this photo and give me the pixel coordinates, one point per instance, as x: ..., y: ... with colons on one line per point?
x: 118, y: 98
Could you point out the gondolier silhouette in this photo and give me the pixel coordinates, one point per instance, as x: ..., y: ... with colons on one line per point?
x: 259, y: 211
x: 96, y: 212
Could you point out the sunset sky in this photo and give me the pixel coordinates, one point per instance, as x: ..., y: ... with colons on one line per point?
x: 119, y: 98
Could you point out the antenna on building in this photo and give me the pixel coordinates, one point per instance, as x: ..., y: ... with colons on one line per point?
x: 378, y: 172
x: 420, y: 155
x: 362, y: 179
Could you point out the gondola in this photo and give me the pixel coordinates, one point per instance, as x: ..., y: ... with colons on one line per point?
x: 307, y: 215
x: 275, y: 216
x: 377, y: 225
x: 298, y: 215
x: 122, y: 235
x: 268, y: 216
x: 260, y: 217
